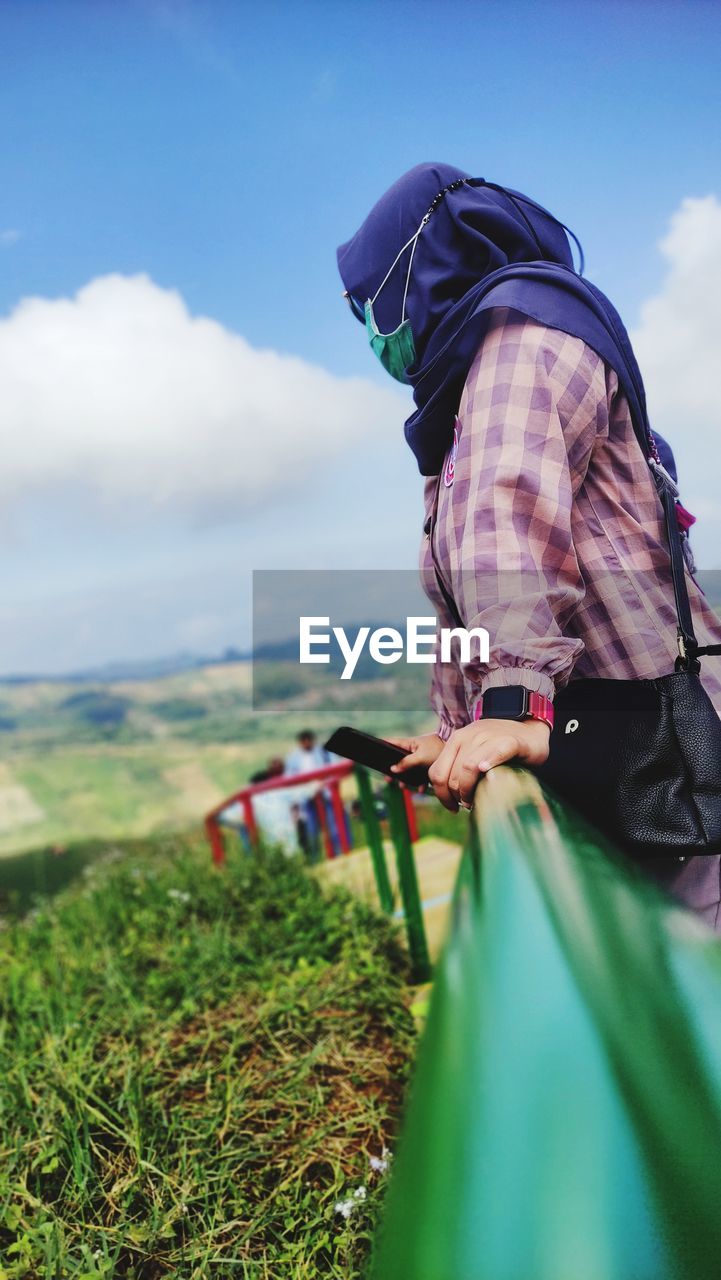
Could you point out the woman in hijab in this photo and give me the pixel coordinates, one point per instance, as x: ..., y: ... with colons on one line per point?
x: 543, y: 522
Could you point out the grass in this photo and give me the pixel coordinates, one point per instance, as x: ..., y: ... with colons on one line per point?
x: 195, y: 1067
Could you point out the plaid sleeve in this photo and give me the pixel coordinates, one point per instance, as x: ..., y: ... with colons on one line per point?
x: 533, y: 405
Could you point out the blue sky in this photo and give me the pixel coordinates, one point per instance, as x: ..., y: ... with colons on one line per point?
x: 223, y: 150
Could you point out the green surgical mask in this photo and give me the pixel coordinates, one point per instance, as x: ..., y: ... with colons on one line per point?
x: 396, y: 351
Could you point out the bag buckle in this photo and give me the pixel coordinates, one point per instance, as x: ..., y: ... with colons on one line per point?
x: 686, y: 661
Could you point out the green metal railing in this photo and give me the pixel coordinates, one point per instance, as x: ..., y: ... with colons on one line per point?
x: 564, y: 1121
x: 402, y: 838
x: 374, y: 838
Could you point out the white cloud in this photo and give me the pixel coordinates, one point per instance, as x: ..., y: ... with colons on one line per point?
x: 122, y: 393
x: 677, y: 345
x: 9, y: 236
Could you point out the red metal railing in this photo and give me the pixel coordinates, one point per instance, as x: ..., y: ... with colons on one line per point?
x: 330, y: 776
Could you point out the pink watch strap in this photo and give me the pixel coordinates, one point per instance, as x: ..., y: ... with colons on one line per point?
x: 540, y: 708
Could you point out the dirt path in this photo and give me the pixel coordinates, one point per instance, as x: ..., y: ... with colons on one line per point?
x: 196, y: 792
x: 436, y: 864
x: 17, y: 806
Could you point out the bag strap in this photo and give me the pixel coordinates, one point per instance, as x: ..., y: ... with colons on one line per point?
x: 689, y: 650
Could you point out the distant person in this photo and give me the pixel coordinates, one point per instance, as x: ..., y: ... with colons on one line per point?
x: 233, y: 817
x: 274, y: 810
x: 270, y: 809
x: 276, y: 767
x: 306, y: 758
x: 261, y: 775
x: 308, y: 755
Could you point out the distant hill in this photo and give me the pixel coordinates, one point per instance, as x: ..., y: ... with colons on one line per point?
x: 120, y: 671
x: 131, y: 669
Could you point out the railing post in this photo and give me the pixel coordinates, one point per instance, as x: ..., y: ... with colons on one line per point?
x: 215, y: 839
x: 250, y: 823
x: 410, y: 814
x: 375, y: 839
x: 408, y: 881
x: 339, y: 815
x: 319, y: 801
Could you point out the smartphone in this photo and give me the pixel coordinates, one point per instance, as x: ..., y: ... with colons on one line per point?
x: 375, y: 753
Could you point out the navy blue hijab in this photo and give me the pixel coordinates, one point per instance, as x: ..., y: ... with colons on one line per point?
x: 482, y: 247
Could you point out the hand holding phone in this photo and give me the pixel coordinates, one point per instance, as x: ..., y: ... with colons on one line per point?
x: 375, y: 753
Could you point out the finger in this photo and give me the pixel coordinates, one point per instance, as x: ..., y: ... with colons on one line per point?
x: 465, y: 777
x: 498, y: 752
x: 408, y: 744
x: 440, y: 772
x: 464, y: 774
x: 407, y: 762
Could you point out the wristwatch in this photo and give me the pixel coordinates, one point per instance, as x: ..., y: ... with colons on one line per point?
x: 514, y: 702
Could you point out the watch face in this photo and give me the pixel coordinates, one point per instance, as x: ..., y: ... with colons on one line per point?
x: 505, y: 703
